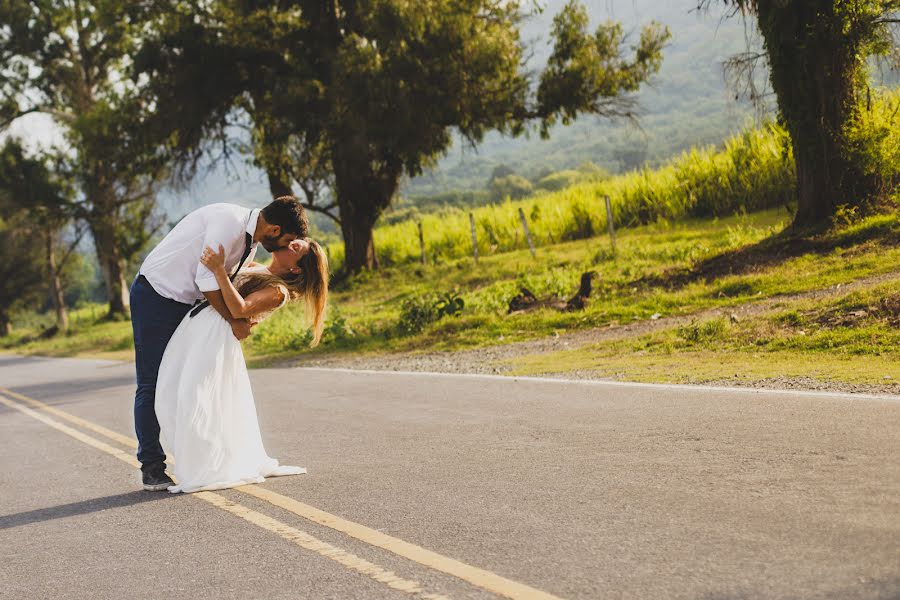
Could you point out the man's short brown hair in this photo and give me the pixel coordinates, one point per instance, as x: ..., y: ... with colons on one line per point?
x: 289, y: 214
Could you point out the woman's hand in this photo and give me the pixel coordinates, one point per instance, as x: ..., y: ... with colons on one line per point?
x: 214, y: 261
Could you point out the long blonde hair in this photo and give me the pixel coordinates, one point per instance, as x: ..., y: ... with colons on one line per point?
x: 311, y: 284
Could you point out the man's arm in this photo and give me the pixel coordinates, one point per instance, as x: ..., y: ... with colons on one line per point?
x: 240, y: 327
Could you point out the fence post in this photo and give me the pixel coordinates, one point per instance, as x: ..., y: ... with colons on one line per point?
x: 609, y: 224
x: 422, y: 242
x: 527, y: 233
x: 474, y: 238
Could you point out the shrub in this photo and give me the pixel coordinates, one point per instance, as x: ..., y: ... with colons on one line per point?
x: 419, y: 311
x: 698, y: 333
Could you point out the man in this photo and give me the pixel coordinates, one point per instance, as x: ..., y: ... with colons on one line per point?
x: 171, y: 282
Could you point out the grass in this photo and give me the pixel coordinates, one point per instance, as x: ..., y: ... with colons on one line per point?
x: 90, y: 335
x: 851, y: 338
x: 751, y: 172
x: 730, y: 367
x: 660, y: 269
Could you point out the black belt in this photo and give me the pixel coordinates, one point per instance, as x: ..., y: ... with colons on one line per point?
x: 145, y: 281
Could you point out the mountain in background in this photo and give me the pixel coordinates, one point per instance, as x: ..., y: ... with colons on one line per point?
x: 686, y: 104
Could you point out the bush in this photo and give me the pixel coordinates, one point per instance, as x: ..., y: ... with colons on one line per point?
x: 416, y: 313
x: 421, y: 310
x: 874, y: 138
x: 511, y: 186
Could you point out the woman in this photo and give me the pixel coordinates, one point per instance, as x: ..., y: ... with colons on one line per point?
x: 204, y: 403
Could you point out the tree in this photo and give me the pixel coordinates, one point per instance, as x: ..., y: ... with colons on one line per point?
x: 378, y: 88
x: 69, y: 60
x: 511, y: 186
x: 42, y: 203
x: 816, y: 52
x: 21, y: 277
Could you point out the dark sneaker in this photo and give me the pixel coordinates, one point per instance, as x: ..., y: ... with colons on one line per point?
x: 155, y: 478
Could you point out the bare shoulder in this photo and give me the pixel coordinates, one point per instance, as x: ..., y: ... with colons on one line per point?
x: 266, y: 299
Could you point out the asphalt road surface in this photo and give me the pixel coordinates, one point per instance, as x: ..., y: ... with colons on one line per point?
x: 443, y: 486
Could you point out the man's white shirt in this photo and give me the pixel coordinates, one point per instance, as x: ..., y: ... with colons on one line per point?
x: 173, y: 268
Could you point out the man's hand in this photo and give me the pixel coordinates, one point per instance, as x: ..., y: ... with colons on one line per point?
x: 241, y: 328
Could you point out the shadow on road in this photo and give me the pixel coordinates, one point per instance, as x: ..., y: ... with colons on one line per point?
x: 48, y: 392
x: 12, y: 361
x: 82, y: 508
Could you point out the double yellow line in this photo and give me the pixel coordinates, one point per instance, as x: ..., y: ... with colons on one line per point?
x: 478, y: 577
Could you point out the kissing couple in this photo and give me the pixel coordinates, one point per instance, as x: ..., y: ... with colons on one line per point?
x: 196, y: 295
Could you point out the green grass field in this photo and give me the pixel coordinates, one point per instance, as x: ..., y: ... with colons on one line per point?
x: 659, y: 270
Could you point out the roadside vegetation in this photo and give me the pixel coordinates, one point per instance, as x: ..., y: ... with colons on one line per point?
x: 709, y: 230
x: 659, y: 271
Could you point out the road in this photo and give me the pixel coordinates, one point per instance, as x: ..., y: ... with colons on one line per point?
x: 443, y: 486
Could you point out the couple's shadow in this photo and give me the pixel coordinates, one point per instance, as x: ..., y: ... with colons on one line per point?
x: 83, y: 507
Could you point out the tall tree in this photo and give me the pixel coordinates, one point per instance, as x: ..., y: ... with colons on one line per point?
x: 42, y: 201
x: 816, y: 52
x: 379, y: 87
x: 69, y: 59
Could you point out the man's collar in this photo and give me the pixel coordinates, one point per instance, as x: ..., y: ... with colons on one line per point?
x: 252, y: 221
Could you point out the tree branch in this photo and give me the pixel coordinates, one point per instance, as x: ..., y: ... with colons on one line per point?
x: 322, y: 209
x: 21, y: 114
x: 62, y: 263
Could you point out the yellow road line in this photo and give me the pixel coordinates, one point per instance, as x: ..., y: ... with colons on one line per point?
x: 478, y: 577
x: 113, y: 435
x: 283, y: 530
x: 486, y: 580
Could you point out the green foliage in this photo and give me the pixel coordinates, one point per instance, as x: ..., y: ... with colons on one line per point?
x: 377, y: 90
x: 511, y: 186
x: 585, y: 71
x: 753, y: 171
x: 559, y: 180
x: 816, y: 52
x: 71, y: 61
x: 416, y: 313
x: 707, y: 331
x: 874, y: 138
x: 420, y: 310
x: 624, y: 292
x: 21, y: 267
x: 449, y: 304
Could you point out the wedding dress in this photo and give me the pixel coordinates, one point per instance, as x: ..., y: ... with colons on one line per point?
x: 205, y: 407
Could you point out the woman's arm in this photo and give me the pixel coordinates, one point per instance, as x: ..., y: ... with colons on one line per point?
x: 260, y: 301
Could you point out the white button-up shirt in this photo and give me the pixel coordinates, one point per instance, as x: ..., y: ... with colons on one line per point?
x: 173, y: 268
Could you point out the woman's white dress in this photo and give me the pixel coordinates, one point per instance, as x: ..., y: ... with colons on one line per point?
x: 206, y: 411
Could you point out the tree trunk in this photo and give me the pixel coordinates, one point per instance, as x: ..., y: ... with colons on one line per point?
x: 357, y: 223
x: 277, y: 186
x: 814, y: 70
x: 112, y: 265
x: 103, y: 224
x: 363, y: 193
x: 56, y: 291
x: 5, y: 324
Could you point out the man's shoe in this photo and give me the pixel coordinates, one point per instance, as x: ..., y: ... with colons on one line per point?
x: 155, y: 478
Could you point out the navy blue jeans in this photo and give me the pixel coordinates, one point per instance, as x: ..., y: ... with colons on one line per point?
x: 154, y: 319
